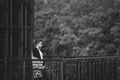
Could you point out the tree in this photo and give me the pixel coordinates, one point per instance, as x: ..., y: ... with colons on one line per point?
x: 78, y: 27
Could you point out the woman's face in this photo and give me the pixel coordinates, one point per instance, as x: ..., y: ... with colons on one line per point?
x: 40, y: 44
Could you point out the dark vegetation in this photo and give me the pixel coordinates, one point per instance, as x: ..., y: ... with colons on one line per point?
x: 78, y: 27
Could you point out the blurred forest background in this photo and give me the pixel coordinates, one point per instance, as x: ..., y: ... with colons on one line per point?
x: 78, y: 27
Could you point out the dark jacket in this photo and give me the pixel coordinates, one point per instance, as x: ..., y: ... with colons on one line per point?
x: 36, y: 53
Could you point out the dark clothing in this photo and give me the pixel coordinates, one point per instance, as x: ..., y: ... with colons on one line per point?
x: 36, y: 53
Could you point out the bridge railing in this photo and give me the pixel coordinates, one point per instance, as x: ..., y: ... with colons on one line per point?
x: 83, y: 68
x: 63, y: 68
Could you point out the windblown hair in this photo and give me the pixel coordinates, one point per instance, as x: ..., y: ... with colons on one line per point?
x: 35, y: 42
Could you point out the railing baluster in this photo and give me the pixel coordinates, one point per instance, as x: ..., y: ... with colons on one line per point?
x: 62, y: 68
x: 78, y: 70
x: 24, y: 69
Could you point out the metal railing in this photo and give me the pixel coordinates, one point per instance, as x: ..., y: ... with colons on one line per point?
x: 81, y: 68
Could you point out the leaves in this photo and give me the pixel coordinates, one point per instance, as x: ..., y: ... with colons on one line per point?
x: 78, y: 27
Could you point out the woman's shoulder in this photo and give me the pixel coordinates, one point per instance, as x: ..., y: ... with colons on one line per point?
x: 34, y: 48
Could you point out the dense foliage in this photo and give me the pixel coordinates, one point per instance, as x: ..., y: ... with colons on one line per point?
x: 78, y: 27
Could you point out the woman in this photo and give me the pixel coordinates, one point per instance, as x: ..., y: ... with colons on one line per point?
x: 37, y: 62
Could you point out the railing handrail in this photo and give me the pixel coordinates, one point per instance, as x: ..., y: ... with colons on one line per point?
x: 64, y: 58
